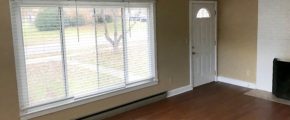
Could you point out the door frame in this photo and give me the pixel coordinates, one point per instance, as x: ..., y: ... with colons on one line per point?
x: 191, y: 2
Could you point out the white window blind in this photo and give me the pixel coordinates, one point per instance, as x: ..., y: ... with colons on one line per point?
x: 70, y: 51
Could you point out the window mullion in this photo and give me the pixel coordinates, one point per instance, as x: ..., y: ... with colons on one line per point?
x: 125, y: 49
x: 97, y: 51
x: 63, y: 50
x: 151, y: 42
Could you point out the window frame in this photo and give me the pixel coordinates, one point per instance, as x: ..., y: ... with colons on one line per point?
x: 68, y: 102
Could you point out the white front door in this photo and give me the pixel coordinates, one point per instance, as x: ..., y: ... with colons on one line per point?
x: 203, y: 39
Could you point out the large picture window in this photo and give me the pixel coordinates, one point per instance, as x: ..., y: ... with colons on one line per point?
x: 67, y: 52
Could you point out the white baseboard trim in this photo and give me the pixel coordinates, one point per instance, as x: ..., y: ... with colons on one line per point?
x: 178, y: 91
x: 236, y: 82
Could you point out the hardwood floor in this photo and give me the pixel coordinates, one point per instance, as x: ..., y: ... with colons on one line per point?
x: 214, y: 101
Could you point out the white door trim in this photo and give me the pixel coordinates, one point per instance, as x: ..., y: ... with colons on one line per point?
x: 191, y: 2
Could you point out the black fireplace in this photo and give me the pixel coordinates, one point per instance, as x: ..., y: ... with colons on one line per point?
x: 281, y: 79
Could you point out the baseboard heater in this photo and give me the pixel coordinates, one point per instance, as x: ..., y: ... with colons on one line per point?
x: 124, y: 108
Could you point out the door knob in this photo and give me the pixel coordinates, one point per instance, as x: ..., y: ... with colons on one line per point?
x: 193, y: 53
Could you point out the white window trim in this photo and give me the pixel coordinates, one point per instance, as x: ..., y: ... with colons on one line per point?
x: 71, y: 101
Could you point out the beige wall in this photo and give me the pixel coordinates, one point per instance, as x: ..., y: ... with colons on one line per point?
x: 8, y: 91
x: 173, y: 64
x: 237, y: 39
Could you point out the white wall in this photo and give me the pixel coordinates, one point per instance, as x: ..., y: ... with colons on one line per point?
x: 273, y: 38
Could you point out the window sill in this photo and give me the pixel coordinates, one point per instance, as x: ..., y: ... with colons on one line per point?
x: 88, y: 99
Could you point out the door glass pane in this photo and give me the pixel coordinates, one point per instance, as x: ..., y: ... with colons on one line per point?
x: 42, y: 46
x: 203, y: 13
